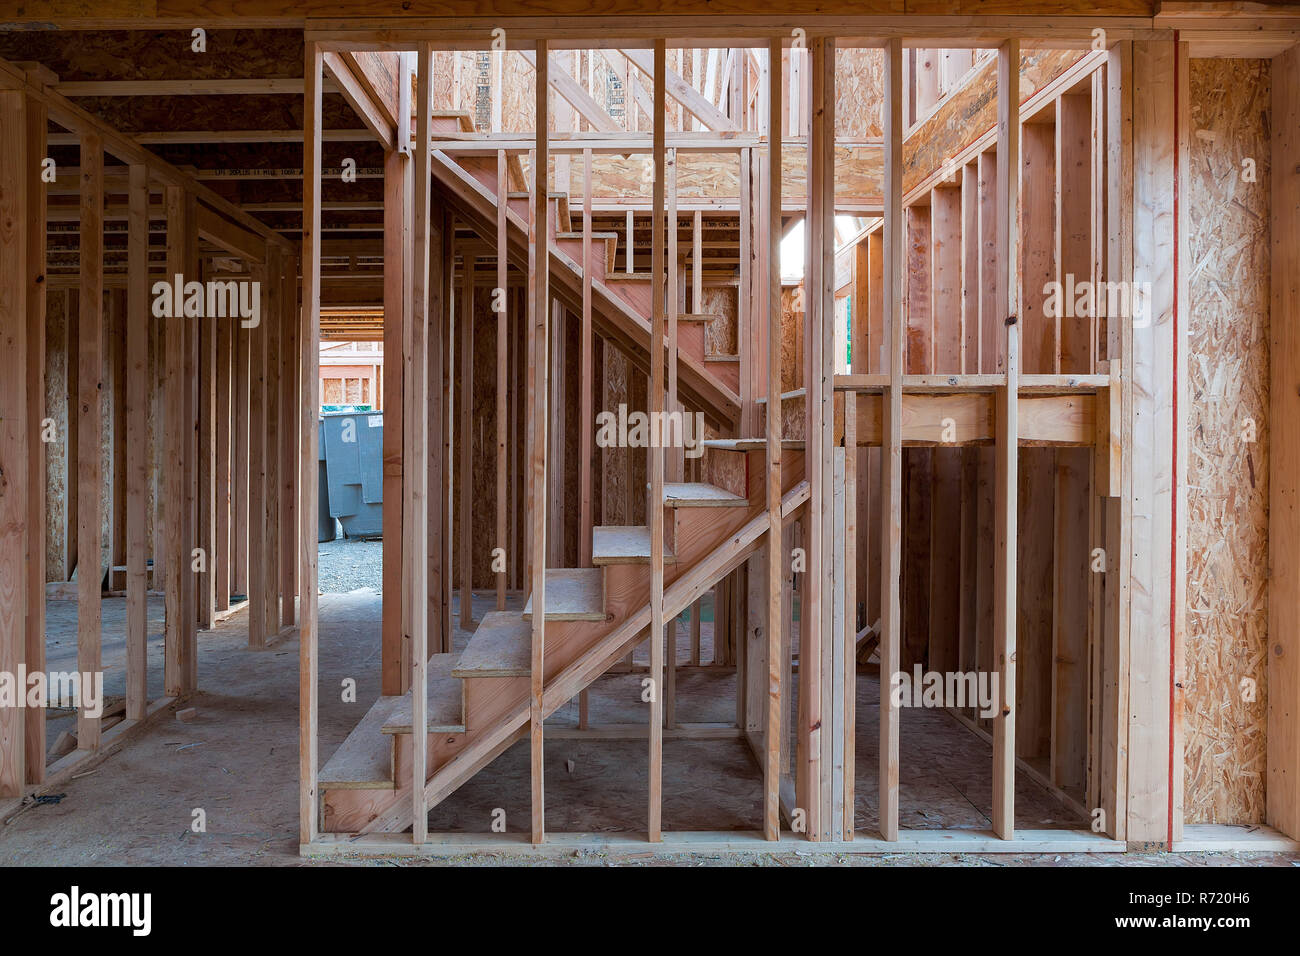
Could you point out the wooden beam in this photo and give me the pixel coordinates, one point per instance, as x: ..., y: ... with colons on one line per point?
x: 215, y: 87
x: 891, y: 452
x: 395, y: 653
x: 36, y: 135
x: 90, y: 371
x: 14, y: 437
x: 770, y: 239
x: 137, y: 446
x: 1006, y: 444
x: 655, y: 465
x: 309, y: 410
x: 539, y: 321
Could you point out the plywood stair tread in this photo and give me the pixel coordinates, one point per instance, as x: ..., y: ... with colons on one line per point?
x: 698, y: 494
x: 623, y: 544
x: 594, y: 235
x: 501, y: 647
x: 572, y: 594
x: 364, y: 761
x: 446, y: 707
x: 751, y: 444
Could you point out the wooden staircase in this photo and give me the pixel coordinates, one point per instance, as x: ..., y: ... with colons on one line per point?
x: 478, y: 699
x: 620, y: 303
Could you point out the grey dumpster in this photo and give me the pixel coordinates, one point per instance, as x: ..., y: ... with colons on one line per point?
x: 353, y: 444
x: 324, y: 520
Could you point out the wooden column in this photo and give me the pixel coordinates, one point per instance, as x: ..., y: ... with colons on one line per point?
x: 395, y: 652
x: 465, y: 442
x: 289, y: 442
x: 891, y: 450
x: 90, y: 370
x: 655, y: 515
x: 36, y: 136
x: 137, y: 441
x: 206, y: 329
x: 539, y: 321
x: 14, y: 437
x: 271, y: 325
x: 1006, y: 444
x: 499, y: 300
x: 258, y: 559
x: 586, y: 419
x: 239, y: 396
x: 224, y: 556
x: 308, y: 634
x: 776, y: 555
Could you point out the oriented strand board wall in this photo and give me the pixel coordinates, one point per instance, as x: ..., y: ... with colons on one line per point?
x: 1227, y: 479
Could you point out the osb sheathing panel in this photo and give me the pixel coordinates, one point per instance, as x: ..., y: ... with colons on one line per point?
x: 792, y: 317
x: 973, y: 110
x: 720, y: 334
x: 859, y: 93
x: 613, y: 392
x: 1227, y: 479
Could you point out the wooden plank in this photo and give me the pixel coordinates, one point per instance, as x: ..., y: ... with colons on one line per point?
x: 539, y: 322
x: 655, y: 515
x: 271, y: 321
x: 769, y: 233
x: 502, y: 395
x: 1283, y: 791
x: 416, y: 368
x: 499, y: 647
x: 90, y: 370
x: 465, y: 441
x: 258, y: 599
x: 36, y: 137
x: 14, y: 437
x: 290, y: 444
x: 309, y: 436
x: 891, y: 488
x: 395, y: 648
x: 224, y: 556
x: 1006, y: 446
x: 137, y: 443
x: 172, y: 512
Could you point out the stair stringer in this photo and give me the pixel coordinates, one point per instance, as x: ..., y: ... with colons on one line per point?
x: 578, y: 652
x: 616, y: 317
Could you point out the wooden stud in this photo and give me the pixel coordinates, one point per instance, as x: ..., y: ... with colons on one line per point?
x: 258, y: 599
x: 224, y: 556
x: 539, y: 321
x: 290, y: 442
x: 137, y: 398
x: 502, y: 397
x: 14, y: 437
x: 36, y: 141
x: 770, y: 229
x: 395, y: 653
x: 891, y: 456
x: 1006, y: 444
x: 655, y: 513
x: 465, y: 441
x: 271, y: 323
x: 89, y: 380
x: 309, y: 437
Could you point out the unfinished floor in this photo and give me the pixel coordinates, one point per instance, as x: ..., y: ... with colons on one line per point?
x: 237, y: 761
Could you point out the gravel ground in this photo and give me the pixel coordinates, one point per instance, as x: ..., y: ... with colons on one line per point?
x: 349, y: 564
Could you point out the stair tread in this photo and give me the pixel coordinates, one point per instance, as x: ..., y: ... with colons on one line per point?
x: 501, y: 647
x: 594, y: 235
x: 446, y: 707
x: 699, y: 494
x: 623, y: 544
x: 697, y: 316
x: 572, y: 594
x: 364, y: 761
x: 751, y: 444
x: 720, y: 357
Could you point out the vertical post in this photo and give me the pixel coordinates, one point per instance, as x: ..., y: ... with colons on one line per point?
x: 35, y: 644
x: 290, y: 439
x: 586, y: 422
x: 258, y: 599
x: 656, y: 464
x: 308, y: 633
x: 206, y: 581
x: 90, y: 331
x: 775, y: 553
x: 415, y: 361
x: 1006, y: 440
x: 14, y: 437
x: 465, y: 440
x: 499, y: 300
x: 395, y: 653
x: 224, y: 556
x: 891, y: 451
x: 539, y: 321
x: 137, y: 438
x: 178, y: 559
